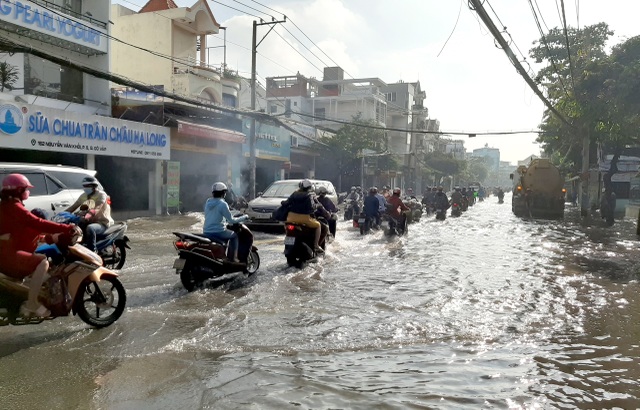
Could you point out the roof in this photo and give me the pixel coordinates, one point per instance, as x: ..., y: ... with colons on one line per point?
x: 158, y: 5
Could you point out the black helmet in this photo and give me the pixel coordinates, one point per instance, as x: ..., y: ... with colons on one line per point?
x: 90, y: 181
x: 40, y: 213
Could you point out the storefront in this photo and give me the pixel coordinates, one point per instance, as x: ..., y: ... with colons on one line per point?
x: 127, y: 155
x: 206, y: 154
x: 303, y: 152
x: 273, y: 154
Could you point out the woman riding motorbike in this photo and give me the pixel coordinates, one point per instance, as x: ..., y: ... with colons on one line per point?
x: 19, y: 234
x: 216, y: 210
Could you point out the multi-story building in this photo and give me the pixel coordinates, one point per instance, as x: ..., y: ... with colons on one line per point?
x: 456, y: 148
x: 61, y: 114
x: 170, y: 53
x: 492, y: 156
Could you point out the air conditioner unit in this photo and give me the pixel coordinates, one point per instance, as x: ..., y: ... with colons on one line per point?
x: 294, y: 141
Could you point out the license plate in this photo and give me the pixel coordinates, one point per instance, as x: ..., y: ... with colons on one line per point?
x: 289, y: 240
x: 361, y: 220
x: 179, y: 263
x: 384, y: 224
x: 263, y: 216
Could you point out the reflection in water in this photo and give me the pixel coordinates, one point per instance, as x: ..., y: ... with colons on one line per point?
x: 482, y: 311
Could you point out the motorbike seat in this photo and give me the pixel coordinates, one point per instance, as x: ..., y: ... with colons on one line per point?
x: 113, y: 228
x: 193, y: 237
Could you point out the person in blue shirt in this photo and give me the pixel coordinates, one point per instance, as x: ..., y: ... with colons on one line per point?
x: 372, y: 206
x: 216, y: 211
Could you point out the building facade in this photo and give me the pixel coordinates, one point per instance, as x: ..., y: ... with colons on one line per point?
x: 60, y: 114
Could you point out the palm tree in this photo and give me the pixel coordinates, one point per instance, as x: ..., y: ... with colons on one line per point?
x: 8, y: 75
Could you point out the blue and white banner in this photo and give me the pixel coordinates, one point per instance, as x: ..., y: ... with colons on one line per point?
x: 27, y: 126
x: 49, y: 21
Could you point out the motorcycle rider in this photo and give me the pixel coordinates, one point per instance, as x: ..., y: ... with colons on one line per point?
x: 441, y: 200
x: 372, y: 206
x: 19, y: 234
x: 328, y: 204
x: 95, y: 221
x: 396, y: 203
x: 386, y: 192
x: 354, y: 195
x: 500, y: 195
x: 216, y: 210
x: 382, y: 208
x: 456, y: 196
x: 302, y: 206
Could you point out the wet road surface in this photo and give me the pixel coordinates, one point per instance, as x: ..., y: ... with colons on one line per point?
x: 482, y: 311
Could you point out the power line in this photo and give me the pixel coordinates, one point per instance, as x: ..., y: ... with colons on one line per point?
x: 566, y: 37
x: 241, y: 11
x: 478, y: 7
x: 452, y: 31
x: 544, y: 40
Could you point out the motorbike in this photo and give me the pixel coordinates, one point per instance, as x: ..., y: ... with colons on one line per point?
x: 366, y: 223
x: 299, y: 248
x: 352, y: 209
x: 441, y: 214
x: 201, y: 259
x: 464, y: 206
x: 112, y: 245
x: 455, y: 209
x: 390, y: 226
x: 78, y: 284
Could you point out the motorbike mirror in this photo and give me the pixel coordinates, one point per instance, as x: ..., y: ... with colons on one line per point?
x: 259, y: 193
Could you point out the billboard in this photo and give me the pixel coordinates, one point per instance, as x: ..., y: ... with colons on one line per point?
x: 32, y: 127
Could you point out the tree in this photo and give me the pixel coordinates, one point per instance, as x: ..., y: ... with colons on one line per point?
x: 343, y: 151
x: 443, y: 165
x: 8, y: 76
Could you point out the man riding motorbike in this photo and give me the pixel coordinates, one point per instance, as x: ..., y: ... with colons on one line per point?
x: 441, y: 200
x: 382, y: 207
x: 328, y: 204
x: 216, y: 211
x: 456, y: 196
x: 372, y: 206
x: 301, y: 209
x: 500, y: 195
x: 97, y: 219
x: 354, y: 195
x: 19, y: 234
x: 396, y: 203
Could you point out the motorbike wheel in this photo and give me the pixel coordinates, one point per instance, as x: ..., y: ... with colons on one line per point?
x: 94, y: 299
x: 189, y: 281
x: 253, y: 263
x: 117, y: 259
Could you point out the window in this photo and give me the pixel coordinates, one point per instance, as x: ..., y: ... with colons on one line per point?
x: 319, y: 112
x: 391, y: 97
x: 273, y: 109
x: 38, y: 182
x: 71, y: 180
x: 51, y: 80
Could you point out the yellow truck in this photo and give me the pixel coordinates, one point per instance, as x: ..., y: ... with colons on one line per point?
x: 538, y: 190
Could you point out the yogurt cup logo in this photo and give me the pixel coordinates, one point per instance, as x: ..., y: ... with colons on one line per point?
x: 11, y: 119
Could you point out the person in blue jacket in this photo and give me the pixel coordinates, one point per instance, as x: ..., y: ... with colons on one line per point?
x: 216, y: 211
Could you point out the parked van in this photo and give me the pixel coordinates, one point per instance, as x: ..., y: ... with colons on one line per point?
x: 55, y: 187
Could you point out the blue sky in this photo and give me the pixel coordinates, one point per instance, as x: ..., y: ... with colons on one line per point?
x: 470, y: 84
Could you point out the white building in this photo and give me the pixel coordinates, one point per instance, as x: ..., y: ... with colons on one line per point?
x: 491, y: 154
x: 60, y: 114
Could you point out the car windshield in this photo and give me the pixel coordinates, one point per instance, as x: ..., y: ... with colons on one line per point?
x: 280, y: 190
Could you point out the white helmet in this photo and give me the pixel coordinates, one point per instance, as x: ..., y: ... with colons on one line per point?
x: 218, y: 186
x: 305, y: 184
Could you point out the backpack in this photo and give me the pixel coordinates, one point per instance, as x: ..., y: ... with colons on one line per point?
x: 280, y: 214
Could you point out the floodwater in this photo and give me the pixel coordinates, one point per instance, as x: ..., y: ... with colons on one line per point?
x: 485, y: 311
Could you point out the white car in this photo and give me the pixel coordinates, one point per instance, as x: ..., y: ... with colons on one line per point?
x: 260, y: 209
x: 55, y: 187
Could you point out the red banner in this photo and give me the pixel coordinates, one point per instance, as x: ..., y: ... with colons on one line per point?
x: 197, y: 130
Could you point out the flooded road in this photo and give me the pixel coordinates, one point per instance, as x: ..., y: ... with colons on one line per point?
x: 482, y: 311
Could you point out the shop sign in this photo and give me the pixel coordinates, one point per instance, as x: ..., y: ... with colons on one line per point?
x: 272, y: 143
x: 173, y: 184
x: 38, y: 18
x: 49, y: 129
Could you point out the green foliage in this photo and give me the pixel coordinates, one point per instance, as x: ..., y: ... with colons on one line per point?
x: 442, y: 164
x: 345, y: 148
x: 8, y: 76
x: 601, y: 99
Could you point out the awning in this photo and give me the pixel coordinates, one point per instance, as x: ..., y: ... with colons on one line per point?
x: 205, y: 131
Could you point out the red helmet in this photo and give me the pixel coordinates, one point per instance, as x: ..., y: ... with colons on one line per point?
x: 15, y: 181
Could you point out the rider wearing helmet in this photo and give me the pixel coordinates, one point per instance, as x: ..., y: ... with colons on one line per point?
x: 19, y: 233
x: 96, y: 218
x: 441, y: 200
x: 329, y: 206
x: 354, y: 195
x: 456, y: 196
x: 372, y: 205
x: 302, y: 207
x: 396, y: 203
x: 216, y: 211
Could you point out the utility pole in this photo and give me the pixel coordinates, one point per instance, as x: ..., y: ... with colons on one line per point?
x: 584, y: 178
x: 252, y: 130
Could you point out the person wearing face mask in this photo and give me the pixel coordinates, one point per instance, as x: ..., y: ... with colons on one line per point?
x: 95, y: 211
x: 19, y: 234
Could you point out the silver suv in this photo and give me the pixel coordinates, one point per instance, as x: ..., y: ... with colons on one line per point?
x: 260, y: 209
x: 55, y: 187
